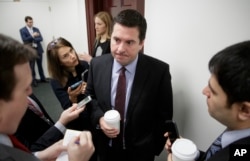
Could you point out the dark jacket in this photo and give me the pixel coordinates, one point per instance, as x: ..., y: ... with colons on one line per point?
x: 150, y: 104
x: 226, y: 154
x: 28, y: 39
x: 83, y: 121
x: 32, y: 128
x: 13, y: 154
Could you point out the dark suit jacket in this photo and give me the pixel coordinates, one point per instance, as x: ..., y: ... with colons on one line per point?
x: 150, y: 103
x: 13, y: 154
x: 28, y: 39
x: 48, y: 138
x: 224, y: 154
x: 32, y: 127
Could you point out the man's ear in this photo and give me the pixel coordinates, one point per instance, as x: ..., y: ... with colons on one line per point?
x: 142, y: 44
x: 244, y: 113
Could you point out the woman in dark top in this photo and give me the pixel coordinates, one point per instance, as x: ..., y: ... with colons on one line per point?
x: 65, y: 69
x: 103, y: 23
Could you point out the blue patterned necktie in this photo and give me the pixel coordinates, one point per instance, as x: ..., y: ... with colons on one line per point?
x: 215, y: 147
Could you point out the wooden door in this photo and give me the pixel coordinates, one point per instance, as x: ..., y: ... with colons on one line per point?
x: 111, y: 6
x: 115, y: 6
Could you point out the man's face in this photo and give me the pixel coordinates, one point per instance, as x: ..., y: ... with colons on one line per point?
x: 12, y: 111
x: 217, y: 104
x: 29, y: 23
x: 125, y: 43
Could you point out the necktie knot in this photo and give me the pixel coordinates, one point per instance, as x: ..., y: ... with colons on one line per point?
x: 122, y: 70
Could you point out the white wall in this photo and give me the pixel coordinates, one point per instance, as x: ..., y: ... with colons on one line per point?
x: 12, y: 19
x: 54, y: 18
x: 184, y: 34
x: 69, y: 21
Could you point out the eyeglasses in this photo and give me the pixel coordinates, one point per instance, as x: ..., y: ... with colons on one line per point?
x: 52, y: 44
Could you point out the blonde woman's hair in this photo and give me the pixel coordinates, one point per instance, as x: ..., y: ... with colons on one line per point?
x: 107, y: 19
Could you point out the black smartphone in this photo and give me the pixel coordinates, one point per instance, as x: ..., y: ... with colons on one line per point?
x: 171, y: 127
x: 75, y: 85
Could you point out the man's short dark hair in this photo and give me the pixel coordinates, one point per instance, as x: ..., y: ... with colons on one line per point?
x: 12, y: 53
x: 132, y: 18
x: 27, y: 18
x: 231, y: 68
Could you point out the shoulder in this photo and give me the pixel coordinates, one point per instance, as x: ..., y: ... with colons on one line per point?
x: 151, y: 60
x: 102, y: 62
x: 107, y: 42
x: 35, y: 28
x: 13, y: 154
x: 245, y: 140
x: 54, y: 81
x: 84, y: 63
x: 106, y: 58
x: 23, y: 29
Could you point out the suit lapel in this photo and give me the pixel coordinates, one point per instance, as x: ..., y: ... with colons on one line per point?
x: 27, y: 31
x: 41, y: 107
x: 140, y: 79
x: 108, y: 74
x: 106, y: 80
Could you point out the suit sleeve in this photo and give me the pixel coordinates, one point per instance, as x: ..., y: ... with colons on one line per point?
x: 51, y: 136
x: 61, y: 94
x: 25, y: 35
x: 165, y: 109
x: 96, y: 112
x: 39, y: 38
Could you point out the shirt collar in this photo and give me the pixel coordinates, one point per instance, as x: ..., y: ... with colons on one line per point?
x: 29, y: 28
x: 130, y: 67
x: 229, y: 137
x: 4, y: 139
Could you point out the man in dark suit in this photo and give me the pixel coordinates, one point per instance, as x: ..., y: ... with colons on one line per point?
x: 32, y: 36
x: 37, y: 130
x: 148, y: 99
x: 15, y: 86
x: 228, y: 100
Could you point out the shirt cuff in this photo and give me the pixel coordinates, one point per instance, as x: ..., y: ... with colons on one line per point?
x: 60, y: 127
x: 35, y: 154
